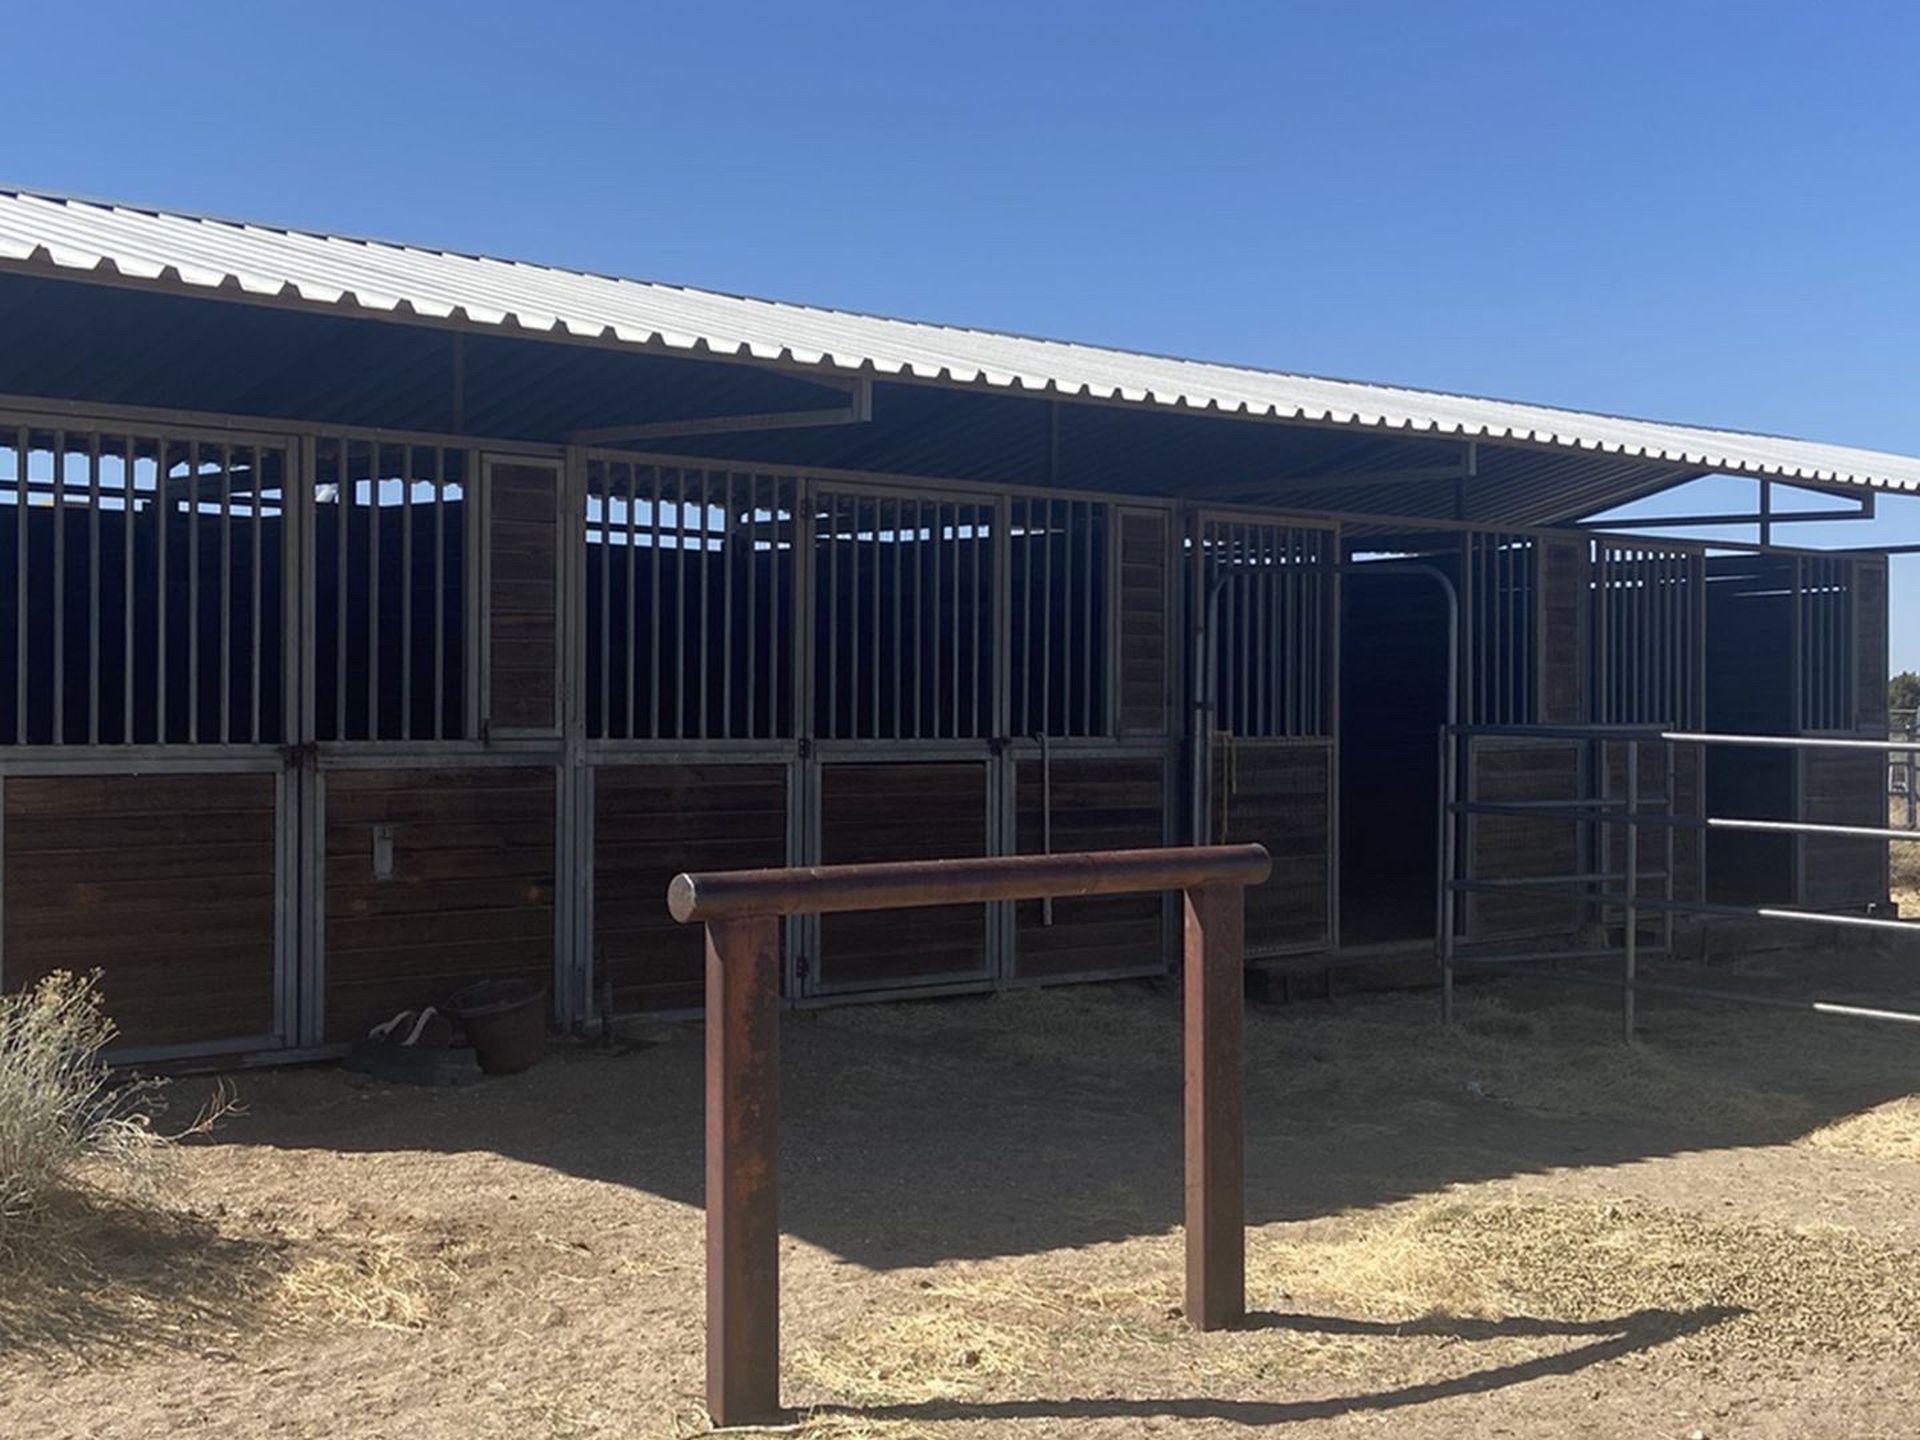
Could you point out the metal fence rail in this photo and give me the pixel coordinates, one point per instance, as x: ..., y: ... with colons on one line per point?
x: 1607, y: 891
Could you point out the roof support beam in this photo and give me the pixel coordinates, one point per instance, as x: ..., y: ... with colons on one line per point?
x: 857, y: 411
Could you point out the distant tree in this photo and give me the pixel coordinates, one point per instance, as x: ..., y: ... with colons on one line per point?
x: 1903, y: 691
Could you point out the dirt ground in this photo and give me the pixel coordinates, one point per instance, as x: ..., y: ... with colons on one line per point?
x: 1514, y: 1227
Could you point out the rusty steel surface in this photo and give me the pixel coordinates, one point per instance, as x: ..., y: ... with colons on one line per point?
x: 1215, y: 1024
x: 822, y: 889
x: 743, y: 1222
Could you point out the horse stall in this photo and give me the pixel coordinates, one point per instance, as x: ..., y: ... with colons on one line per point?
x: 377, y: 621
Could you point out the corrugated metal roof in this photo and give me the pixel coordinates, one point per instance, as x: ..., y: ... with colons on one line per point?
x: 58, y: 233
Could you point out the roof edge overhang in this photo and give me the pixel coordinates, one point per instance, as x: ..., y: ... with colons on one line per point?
x: 1500, y: 422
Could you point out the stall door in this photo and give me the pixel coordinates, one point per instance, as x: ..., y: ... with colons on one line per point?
x: 1264, y: 595
x: 930, y: 810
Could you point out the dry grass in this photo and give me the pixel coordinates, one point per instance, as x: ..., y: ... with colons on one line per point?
x: 63, y: 1120
x: 1886, y: 1132
x: 1794, y: 1291
x: 376, y: 1283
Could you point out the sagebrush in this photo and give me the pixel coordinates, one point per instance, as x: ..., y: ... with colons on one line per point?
x: 66, y: 1122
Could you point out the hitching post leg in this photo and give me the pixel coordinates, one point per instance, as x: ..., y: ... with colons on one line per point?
x: 1215, y: 1106
x: 743, y: 1223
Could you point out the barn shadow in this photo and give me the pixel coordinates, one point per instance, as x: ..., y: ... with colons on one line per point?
x: 915, y: 1133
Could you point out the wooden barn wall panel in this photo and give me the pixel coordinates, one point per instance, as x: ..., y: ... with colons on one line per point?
x: 906, y: 811
x: 165, y: 883
x: 1563, y: 584
x: 651, y: 822
x: 1840, y: 787
x: 1280, y: 796
x: 470, y: 898
x: 1144, y: 632
x: 523, y: 598
x: 1515, y: 846
x: 1104, y: 804
x: 1653, y: 838
x: 1870, y: 618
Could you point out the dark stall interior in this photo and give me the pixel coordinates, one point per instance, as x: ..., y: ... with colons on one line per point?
x: 1750, y: 690
x: 1393, y: 700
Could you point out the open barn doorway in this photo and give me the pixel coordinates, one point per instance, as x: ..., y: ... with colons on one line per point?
x: 1396, y: 634
x: 1750, y: 689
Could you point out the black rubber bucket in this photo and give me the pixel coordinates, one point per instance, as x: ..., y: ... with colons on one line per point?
x: 506, y: 1022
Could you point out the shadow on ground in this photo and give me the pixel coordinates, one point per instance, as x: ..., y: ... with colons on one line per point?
x: 914, y: 1133
x: 1611, y: 1339
x: 110, y: 1279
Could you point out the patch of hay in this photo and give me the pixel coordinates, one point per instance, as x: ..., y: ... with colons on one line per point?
x: 962, y: 1335
x: 376, y: 1283
x: 1796, y: 1291
x: 1886, y: 1132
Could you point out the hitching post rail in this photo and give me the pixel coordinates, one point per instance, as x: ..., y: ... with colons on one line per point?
x: 742, y: 910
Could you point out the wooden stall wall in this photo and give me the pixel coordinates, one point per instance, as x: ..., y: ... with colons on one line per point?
x: 523, y: 540
x: 164, y: 883
x: 1279, y: 793
x: 469, y: 895
x: 1839, y: 787
x: 651, y: 822
x: 1113, y: 803
x: 1145, y: 613
x: 1521, y: 846
x: 1563, y: 609
x: 929, y: 810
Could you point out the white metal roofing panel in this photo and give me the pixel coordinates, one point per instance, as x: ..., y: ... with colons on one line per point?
x: 48, y: 231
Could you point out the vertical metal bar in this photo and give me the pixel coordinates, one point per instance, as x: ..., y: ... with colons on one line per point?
x: 226, y: 593
x: 407, y: 453
x: 59, y: 586
x: 727, y: 555
x: 742, y: 1170
x: 129, y: 509
x: 930, y: 619
x: 833, y: 614
x: 681, y: 668
x: 1045, y: 621
x: 950, y: 632
x: 163, y: 514
x: 870, y: 669
x: 1243, y: 627
x: 254, y: 586
x: 22, y: 514
x: 439, y: 728
x: 606, y: 594
x: 193, y: 592
x: 1444, y: 893
x: 899, y: 590
x: 1025, y: 511
x: 922, y: 672
x: 1631, y: 942
x: 1213, y: 983
x: 630, y: 664
x: 1088, y: 580
x: 343, y: 507
x: 753, y: 600
x: 374, y: 566
x: 657, y: 554
x: 975, y: 558
x: 780, y: 642
x: 706, y: 598
x: 93, y: 589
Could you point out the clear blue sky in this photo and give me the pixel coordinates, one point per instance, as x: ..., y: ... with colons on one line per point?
x: 1694, y: 211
